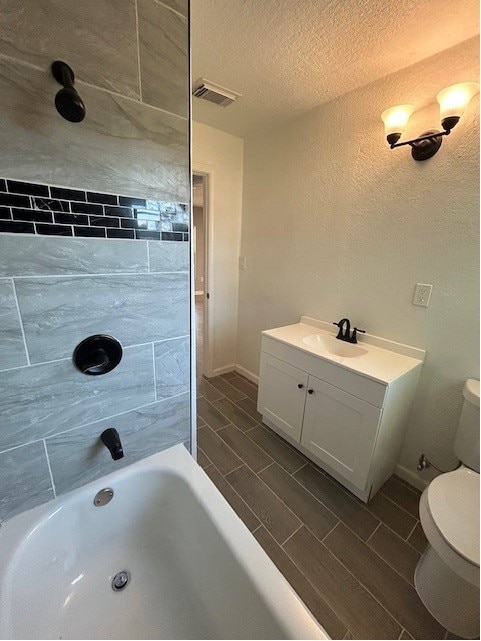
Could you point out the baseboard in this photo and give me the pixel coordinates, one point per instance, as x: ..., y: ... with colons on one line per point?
x: 411, y: 478
x: 245, y: 372
x: 223, y: 370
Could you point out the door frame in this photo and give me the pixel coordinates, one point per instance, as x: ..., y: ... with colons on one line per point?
x: 207, y: 172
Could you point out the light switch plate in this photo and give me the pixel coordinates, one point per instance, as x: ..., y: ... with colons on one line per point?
x: 422, y: 294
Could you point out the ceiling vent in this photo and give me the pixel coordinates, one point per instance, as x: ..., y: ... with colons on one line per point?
x: 214, y: 93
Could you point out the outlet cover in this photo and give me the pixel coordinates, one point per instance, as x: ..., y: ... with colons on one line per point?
x: 242, y: 262
x: 422, y: 294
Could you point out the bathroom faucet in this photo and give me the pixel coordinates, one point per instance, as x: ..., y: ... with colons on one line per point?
x: 345, y: 334
x: 111, y: 439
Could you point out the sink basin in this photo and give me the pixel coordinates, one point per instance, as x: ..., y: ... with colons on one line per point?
x: 334, y: 346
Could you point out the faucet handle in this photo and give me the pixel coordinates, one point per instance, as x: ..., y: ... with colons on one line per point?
x: 354, y: 334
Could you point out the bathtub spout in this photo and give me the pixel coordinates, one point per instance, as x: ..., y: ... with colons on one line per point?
x: 111, y: 439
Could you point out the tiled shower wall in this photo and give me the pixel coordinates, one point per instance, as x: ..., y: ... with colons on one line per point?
x: 131, y: 65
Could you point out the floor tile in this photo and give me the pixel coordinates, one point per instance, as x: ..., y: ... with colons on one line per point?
x: 230, y: 392
x: 237, y: 504
x: 395, y: 551
x: 405, y: 635
x: 210, y: 414
x: 228, y: 375
x: 308, y: 509
x: 278, y: 449
x: 451, y: 635
x: 208, y: 391
x: 247, y: 389
x: 246, y: 449
x: 402, y: 495
x: 217, y: 451
x: 354, y: 606
x: 250, y: 406
x: 418, y: 539
x: 235, y: 415
x: 268, y: 508
x: 392, y: 515
x: 393, y: 592
x: 313, y: 600
x: 202, y: 459
x: 200, y: 422
x: 344, y: 506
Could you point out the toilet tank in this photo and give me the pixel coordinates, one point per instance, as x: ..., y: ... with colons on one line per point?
x: 466, y: 445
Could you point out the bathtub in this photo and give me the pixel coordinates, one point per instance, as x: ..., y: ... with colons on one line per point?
x: 194, y: 570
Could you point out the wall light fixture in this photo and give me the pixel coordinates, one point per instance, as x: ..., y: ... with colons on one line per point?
x: 452, y: 103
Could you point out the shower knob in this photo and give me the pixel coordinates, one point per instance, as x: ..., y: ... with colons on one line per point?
x: 97, y: 355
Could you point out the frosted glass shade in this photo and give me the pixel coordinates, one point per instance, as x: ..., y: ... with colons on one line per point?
x: 396, y: 118
x: 454, y: 99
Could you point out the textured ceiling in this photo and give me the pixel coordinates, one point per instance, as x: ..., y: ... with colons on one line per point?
x: 287, y: 56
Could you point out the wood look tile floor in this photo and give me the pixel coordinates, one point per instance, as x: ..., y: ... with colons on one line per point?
x: 352, y: 564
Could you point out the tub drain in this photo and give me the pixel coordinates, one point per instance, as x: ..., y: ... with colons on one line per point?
x: 120, y: 581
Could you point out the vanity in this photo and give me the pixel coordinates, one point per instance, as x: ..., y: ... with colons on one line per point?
x: 345, y: 406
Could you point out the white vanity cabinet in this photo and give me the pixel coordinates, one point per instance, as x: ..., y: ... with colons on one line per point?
x: 348, y: 423
x: 283, y: 395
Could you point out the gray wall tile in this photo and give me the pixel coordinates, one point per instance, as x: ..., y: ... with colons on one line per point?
x: 163, y: 48
x: 71, y: 288
x: 24, y: 479
x: 169, y: 256
x: 78, y: 456
x: 43, y: 256
x: 46, y: 399
x: 12, y: 349
x: 172, y: 367
x: 58, y: 313
x: 122, y: 146
x: 96, y: 37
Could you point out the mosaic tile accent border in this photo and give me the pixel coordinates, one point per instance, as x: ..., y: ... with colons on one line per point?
x: 30, y: 208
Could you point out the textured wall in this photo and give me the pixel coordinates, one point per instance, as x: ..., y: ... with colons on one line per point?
x: 337, y: 224
x: 131, y: 65
x: 222, y: 154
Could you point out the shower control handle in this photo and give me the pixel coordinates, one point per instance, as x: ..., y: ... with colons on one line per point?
x: 99, y: 360
x: 97, y: 355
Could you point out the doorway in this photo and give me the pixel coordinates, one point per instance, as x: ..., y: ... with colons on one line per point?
x: 200, y: 248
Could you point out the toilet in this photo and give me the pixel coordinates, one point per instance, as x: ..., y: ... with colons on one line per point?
x: 447, y: 575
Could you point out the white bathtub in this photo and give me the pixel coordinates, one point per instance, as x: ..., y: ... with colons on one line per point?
x: 196, y: 571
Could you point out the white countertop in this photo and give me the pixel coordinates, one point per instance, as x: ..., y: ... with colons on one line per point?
x: 379, y: 364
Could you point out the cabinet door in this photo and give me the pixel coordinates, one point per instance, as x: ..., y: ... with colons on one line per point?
x: 282, y: 395
x: 340, y: 429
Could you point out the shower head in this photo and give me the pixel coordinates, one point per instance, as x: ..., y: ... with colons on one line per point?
x: 67, y: 101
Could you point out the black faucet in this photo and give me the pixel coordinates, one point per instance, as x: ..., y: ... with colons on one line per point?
x: 111, y: 439
x: 345, y: 334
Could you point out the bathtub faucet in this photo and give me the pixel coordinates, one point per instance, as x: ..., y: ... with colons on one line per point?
x: 111, y: 439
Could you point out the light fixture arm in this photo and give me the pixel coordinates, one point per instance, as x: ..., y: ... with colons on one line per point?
x: 422, y: 147
x: 427, y: 136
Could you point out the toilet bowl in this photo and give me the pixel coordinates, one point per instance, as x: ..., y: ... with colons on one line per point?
x: 447, y: 575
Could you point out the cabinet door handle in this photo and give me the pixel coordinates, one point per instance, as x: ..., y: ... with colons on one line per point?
x: 310, y: 391
x: 300, y: 385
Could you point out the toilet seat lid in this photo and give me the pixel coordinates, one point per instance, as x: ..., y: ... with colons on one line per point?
x: 453, y: 500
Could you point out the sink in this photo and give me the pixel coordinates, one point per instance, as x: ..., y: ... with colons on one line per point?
x: 334, y: 346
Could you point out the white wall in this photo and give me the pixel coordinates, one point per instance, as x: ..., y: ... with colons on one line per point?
x: 222, y: 154
x: 198, y: 217
x: 337, y: 224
